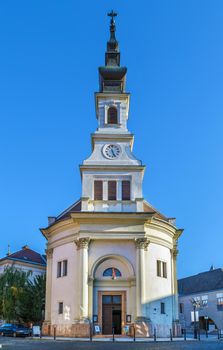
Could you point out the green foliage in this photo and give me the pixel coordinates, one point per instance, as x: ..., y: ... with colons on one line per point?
x: 21, y: 298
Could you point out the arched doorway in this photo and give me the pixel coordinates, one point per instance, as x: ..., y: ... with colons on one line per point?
x: 113, y: 292
x: 207, y: 324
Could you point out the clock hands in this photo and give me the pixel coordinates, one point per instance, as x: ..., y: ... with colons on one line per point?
x: 112, y: 150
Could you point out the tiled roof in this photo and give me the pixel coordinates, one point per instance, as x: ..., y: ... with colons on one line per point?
x: 148, y: 208
x: 203, y: 282
x: 76, y: 207
x: 26, y: 255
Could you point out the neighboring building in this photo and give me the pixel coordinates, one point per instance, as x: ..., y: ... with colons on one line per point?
x: 111, y: 256
x: 25, y: 259
x: 206, y: 289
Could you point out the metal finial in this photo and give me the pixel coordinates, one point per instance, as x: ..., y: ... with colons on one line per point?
x: 8, y: 250
x: 112, y: 14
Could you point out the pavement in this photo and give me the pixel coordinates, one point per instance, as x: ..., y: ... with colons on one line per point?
x: 120, y: 344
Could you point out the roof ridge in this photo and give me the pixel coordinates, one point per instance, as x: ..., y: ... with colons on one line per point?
x: 68, y: 209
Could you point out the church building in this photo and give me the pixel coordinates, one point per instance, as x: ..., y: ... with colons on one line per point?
x: 111, y: 256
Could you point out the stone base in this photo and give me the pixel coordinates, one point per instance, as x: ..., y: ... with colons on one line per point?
x: 143, y: 327
x: 77, y: 330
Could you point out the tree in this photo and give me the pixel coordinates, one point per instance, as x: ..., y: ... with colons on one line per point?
x: 33, y: 300
x: 21, y: 298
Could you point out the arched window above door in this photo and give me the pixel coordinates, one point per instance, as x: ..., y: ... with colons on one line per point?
x: 112, y: 116
x: 112, y: 272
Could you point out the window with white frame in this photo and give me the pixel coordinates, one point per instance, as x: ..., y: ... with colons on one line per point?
x: 111, y: 190
x: 161, y: 267
x: 204, y: 300
x: 219, y: 297
x: 62, y: 268
x: 112, y: 115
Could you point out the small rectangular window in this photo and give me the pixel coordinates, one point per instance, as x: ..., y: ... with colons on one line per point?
x: 111, y: 190
x: 164, y: 270
x: 162, y: 308
x: 98, y: 190
x: 161, y: 267
x: 181, y: 308
x: 220, y: 304
x: 59, y: 269
x: 62, y: 268
x: 125, y: 190
x: 60, y: 308
x: 65, y: 268
x: 158, y: 266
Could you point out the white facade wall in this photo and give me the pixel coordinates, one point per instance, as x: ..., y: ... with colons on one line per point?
x: 65, y: 289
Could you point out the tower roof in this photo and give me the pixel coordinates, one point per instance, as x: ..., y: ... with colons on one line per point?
x: 112, y: 77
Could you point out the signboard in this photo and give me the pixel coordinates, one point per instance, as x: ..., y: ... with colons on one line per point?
x: 36, y: 331
x: 126, y: 330
x: 97, y: 329
x: 196, y: 316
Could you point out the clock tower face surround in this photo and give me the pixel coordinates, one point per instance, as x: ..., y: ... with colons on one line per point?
x: 111, y: 151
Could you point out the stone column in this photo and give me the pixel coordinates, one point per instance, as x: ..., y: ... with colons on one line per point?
x: 82, y: 245
x: 174, y: 253
x: 49, y: 254
x: 141, y: 246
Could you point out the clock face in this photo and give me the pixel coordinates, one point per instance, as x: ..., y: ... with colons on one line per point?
x: 111, y: 151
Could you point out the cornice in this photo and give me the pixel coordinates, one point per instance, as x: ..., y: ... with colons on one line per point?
x: 132, y: 168
x: 111, y: 217
x: 112, y: 137
x: 57, y: 227
x: 114, y: 283
x: 163, y: 226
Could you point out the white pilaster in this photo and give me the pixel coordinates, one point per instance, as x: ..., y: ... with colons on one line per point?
x: 174, y: 253
x: 119, y: 190
x: 49, y: 254
x: 141, y: 246
x: 82, y: 245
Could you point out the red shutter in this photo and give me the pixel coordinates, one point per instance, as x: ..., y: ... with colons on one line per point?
x: 98, y: 190
x: 126, y: 190
x: 111, y: 190
x: 112, y: 115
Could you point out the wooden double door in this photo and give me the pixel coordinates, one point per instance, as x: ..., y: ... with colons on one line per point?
x: 111, y: 314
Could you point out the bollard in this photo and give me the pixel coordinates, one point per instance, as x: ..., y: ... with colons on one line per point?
x: 40, y: 332
x: 199, y: 334
x: 185, y: 334
x: 113, y: 334
x: 90, y: 332
x: 171, y: 335
x: 134, y: 333
x: 154, y: 335
x: 54, y: 332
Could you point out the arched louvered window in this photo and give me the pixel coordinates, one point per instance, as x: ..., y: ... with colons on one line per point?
x: 112, y: 272
x: 112, y: 115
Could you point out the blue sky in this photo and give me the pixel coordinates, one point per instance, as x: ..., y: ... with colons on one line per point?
x: 50, y: 51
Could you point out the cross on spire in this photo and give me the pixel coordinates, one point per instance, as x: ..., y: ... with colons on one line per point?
x: 112, y: 14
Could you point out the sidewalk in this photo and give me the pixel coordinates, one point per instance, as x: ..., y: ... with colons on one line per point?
x: 110, y: 339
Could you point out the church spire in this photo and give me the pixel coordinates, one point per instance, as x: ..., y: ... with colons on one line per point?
x: 112, y: 44
x: 112, y: 77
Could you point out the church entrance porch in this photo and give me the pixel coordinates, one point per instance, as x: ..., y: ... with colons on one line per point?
x: 111, y: 311
x: 111, y: 314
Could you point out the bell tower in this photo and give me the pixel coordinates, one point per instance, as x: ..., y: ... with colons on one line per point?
x: 112, y: 176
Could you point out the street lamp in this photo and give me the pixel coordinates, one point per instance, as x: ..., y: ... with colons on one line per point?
x: 196, y: 304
